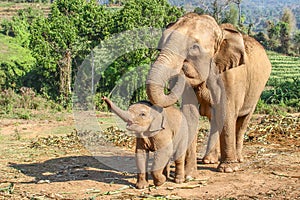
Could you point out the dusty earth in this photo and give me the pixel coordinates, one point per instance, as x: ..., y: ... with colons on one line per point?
x: 42, y: 159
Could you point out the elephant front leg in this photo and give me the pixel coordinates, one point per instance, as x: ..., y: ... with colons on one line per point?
x: 142, y: 162
x: 191, y: 159
x: 179, y: 169
x: 241, y: 127
x: 167, y: 170
x: 228, y: 145
x: 212, y: 156
x: 158, y: 177
x: 190, y: 110
x: 142, y: 181
x: 161, y: 159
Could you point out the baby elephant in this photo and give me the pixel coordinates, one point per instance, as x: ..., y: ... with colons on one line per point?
x: 159, y: 130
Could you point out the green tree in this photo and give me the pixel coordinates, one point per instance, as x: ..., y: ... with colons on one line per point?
x: 284, y: 38
x: 135, y: 14
x: 231, y: 16
x: 289, y: 18
x: 151, y: 13
x: 287, y: 25
x: 18, y: 27
x: 15, y: 62
x: 238, y: 3
x: 262, y: 38
x: 61, y: 42
x: 296, y: 41
x: 199, y: 10
x: 273, y: 34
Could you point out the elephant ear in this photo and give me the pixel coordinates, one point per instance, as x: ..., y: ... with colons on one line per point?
x: 165, y: 35
x: 159, y: 119
x: 231, y: 52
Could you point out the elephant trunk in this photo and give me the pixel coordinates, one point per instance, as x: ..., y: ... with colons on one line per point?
x: 124, y: 115
x: 157, y: 79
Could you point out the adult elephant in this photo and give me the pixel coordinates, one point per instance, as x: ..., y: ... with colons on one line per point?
x: 227, y: 72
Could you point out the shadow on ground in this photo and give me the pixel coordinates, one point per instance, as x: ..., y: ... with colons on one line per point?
x: 72, y: 168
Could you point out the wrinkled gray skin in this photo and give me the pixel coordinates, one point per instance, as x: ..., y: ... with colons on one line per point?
x: 227, y: 71
x: 159, y: 130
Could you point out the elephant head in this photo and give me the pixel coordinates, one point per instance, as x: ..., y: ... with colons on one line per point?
x: 140, y: 117
x: 201, y: 48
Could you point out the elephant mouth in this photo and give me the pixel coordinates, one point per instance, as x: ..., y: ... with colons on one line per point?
x: 129, y: 124
x: 191, y: 75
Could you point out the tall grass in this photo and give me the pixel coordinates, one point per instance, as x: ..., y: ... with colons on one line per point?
x: 21, y: 104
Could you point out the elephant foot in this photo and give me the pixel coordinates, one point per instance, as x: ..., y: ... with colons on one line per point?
x: 228, y: 167
x: 240, y: 158
x: 142, y: 184
x: 188, y: 178
x: 159, y: 181
x: 179, y: 179
x: 210, y: 159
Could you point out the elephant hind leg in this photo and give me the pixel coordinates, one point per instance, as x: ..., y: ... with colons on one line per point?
x: 241, y: 127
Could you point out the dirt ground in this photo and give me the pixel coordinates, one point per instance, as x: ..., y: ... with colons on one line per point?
x: 39, y: 159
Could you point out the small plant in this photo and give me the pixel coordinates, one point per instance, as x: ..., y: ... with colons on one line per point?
x: 17, y: 134
x: 23, y: 103
x: 286, y: 94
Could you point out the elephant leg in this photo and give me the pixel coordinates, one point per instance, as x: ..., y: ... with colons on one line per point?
x: 228, y: 144
x: 141, y: 158
x: 241, y: 126
x: 191, y: 112
x: 158, y: 177
x: 212, y: 156
x: 191, y: 159
x: 160, y: 164
x: 142, y: 181
x: 179, y: 170
x: 166, y: 171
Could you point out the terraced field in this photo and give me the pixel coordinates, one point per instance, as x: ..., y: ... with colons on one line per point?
x: 9, y: 9
x: 284, y: 68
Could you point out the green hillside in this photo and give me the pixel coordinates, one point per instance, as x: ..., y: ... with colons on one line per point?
x: 284, y: 68
x: 255, y: 11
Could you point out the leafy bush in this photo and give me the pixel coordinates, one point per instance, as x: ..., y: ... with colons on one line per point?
x: 13, y: 104
x: 285, y: 94
x: 15, y: 62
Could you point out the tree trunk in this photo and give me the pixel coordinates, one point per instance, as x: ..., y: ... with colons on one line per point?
x: 65, y: 76
x: 240, y: 13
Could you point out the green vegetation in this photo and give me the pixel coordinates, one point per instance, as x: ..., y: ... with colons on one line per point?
x: 282, y: 93
x: 23, y: 105
x: 6, y: 4
x: 284, y: 68
x: 16, y: 62
x: 41, y: 50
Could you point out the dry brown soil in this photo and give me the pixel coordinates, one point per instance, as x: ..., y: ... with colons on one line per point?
x: 66, y: 170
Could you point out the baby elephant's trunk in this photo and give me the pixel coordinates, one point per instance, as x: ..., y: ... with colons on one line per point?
x: 124, y: 115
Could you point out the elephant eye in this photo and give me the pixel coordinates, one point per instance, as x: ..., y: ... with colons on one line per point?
x: 195, y: 46
x: 194, y: 50
x: 142, y: 114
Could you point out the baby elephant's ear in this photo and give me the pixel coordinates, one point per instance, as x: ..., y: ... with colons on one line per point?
x: 159, y: 120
